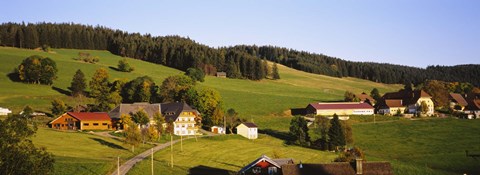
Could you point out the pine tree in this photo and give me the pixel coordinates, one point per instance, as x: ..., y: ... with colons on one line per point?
x: 336, y: 133
x: 79, y: 83
x: 375, y: 94
x: 275, y: 74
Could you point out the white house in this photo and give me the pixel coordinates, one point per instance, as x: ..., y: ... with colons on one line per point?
x: 183, y: 117
x: 5, y: 111
x: 248, y: 130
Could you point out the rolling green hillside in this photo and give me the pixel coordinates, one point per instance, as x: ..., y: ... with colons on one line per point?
x: 258, y: 100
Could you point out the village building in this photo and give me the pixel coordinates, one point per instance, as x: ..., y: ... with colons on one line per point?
x: 340, y: 108
x: 248, y: 130
x: 265, y: 166
x: 217, y: 129
x: 221, y: 74
x: 410, y: 100
x: 473, y: 109
x: 365, y: 98
x: 131, y: 109
x: 183, y: 116
x: 5, y: 111
x: 457, y: 101
x: 82, y: 121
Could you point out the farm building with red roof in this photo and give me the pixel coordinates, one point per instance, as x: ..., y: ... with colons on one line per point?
x: 340, y: 108
x: 82, y: 121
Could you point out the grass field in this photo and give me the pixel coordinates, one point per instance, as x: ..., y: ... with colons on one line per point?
x: 225, y: 154
x: 82, y: 153
x: 266, y: 102
x: 434, y: 146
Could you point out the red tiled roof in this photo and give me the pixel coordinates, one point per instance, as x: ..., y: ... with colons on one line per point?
x: 364, y: 96
x: 87, y: 116
x: 346, y: 105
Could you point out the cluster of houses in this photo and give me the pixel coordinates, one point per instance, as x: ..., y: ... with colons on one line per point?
x: 266, y: 166
x: 402, y: 102
x: 180, y: 114
x: 408, y: 103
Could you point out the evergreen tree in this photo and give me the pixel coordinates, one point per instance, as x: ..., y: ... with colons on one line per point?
x: 335, y: 133
x: 375, y: 94
x: 299, y: 131
x: 275, y: 74
x: 196, y: 74
x: 79, y: 84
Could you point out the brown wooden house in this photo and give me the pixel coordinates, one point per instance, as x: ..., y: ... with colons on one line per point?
x: 82, y: 121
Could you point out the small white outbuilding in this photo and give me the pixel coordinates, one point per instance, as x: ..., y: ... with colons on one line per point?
x: 248, y: 130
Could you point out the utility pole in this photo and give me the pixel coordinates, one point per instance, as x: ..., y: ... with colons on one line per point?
x: 118, y: 165
x: 224, y: 125
x: 171, y: 150
x: 152, y: 161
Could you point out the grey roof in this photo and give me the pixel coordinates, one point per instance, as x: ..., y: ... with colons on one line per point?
x: 338, y: 168
x: 130, y: 109
x: 171, y: 111
x: 276, y: 162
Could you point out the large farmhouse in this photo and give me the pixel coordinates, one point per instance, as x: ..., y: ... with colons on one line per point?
x: 82, y: 121
x: 405, y: 102
x: 340, y: 108
x: 265, y: 165
x: 183, y: 117
x: 130, y: 109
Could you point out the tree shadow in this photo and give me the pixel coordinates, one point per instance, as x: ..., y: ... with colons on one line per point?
x: 205, y: 170
x: 298, y: 111
x: 109, y: 144
x: 114, y: 68
x: 285, y: 136
x: 13, y: 77
x: 62, y: 91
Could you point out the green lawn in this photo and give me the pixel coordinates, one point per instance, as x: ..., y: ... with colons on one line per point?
x: 225, y: 154
x: 83, y: 153
x: 435, y: 146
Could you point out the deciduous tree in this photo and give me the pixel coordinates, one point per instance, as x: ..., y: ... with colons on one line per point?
x: 58, y: 107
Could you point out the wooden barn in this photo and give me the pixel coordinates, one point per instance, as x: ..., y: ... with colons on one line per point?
x: 82, y: 121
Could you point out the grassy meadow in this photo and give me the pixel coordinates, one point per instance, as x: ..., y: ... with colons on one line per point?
x: 83, y: 153
x: 432, y: 146
x: 225, y: 154
x: 266, y: 102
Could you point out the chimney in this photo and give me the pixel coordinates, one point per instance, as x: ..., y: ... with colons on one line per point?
x: 358, y: 166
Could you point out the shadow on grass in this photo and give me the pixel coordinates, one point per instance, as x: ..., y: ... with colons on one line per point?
x: 114, y: 68
x: 285, y: 136
x: 13, y: 77
x: 205, y: 170
x: 62, y: 91
x: 109, y: 144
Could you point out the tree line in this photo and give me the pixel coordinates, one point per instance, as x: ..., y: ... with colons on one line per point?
x: 172, y: 51
x: 242, y: 61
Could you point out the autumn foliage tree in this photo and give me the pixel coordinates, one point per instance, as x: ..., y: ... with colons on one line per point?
x: 37, y: 69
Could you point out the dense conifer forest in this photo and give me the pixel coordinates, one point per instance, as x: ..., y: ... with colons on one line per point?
x: 238, y: 61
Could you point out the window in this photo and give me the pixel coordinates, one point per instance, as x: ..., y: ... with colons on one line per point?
x: 104, y: 124
x: 86, y: 124
x: 95, y: 124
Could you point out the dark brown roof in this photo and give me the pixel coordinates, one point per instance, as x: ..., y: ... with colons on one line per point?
x: 394, y: 103
x: 275, y: 162
x: 364, y: 97
x: 250, y: 125
x: 171, y: 111
x: 407, y: 97
x: 337, y: 168
x: 473, y: 104
x: 341, y: 105
x: 458, y: 98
